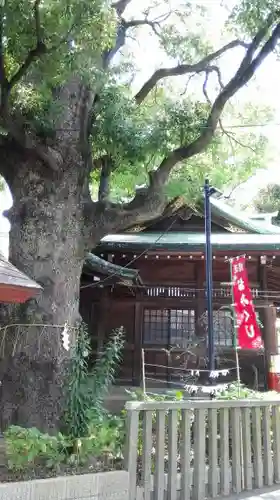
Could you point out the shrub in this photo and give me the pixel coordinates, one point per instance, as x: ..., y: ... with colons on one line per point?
x: 103, y: 374
x: 78, y: 398
x: 85, y: 391
x: 90, y: 430
x: 26, y: 448
x: 238, y: 391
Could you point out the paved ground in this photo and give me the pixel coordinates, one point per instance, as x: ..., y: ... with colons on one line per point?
x: 265, y: 494
x: 272, y: 495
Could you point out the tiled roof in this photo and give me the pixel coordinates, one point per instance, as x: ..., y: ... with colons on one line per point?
x: 220, y: 208
x: 101, y: 266
x: 184, y: 241
x: 11, y: 276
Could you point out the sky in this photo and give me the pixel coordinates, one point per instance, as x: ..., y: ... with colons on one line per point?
x: 148, y: 56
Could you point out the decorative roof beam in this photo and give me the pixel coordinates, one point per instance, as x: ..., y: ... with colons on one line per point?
x: 96, y: 264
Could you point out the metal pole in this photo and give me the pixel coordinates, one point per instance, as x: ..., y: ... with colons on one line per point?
x: 209, y: 275
x: 143, y: 374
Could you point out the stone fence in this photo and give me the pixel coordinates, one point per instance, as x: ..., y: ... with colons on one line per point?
x: 100, y: 486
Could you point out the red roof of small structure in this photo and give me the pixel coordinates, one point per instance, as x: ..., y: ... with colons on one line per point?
x: 15, y: 286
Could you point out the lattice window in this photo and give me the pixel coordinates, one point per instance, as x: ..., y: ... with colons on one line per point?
x: 169, y: 326
x: 223, y: 327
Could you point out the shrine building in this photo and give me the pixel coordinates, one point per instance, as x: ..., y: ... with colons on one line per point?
x: 151, y: 281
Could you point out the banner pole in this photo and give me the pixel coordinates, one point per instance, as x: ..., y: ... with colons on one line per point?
x: 237, y: 367
x: 235, y: 340
x: 209, y: 276
x: 235, y: 343
x: 143, y: 374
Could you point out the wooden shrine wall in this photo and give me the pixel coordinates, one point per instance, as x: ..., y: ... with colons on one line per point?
x: 104, y: 315
x: 164, y: 271
x: 122, y: 314
x: 105, y: 309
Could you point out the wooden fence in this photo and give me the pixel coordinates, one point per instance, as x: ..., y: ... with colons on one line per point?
x: 201, y: 449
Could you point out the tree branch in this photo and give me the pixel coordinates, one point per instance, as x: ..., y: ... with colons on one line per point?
x: 241, y: 78
x: 150, y: 201
x: 37, y: 19
x: 183, y: 69
x: 187, y: 84
x: 146, y: 205
x: 231, y: 137
x: 27, y: 139
x: 40, y: 48
x: 105, y: 176
x: 135, y: 23
x: 152, y: 23
x: 120, y: 6
x: 2, y: 62
x: 123, y: 27
x: 256, y: 43
x: 33, y: 54
x: 119, y: 43
x: 3, y: 75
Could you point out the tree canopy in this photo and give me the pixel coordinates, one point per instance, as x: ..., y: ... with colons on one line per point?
x: 157, y: 131
x: 267, y: 199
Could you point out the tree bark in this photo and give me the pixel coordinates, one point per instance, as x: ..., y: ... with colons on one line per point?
x: 47, y: 243
x: 54, y: 223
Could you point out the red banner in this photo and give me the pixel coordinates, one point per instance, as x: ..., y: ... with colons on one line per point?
x: 248, y: 331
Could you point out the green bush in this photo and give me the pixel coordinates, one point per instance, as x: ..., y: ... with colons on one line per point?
x: 89, y: 431
x: 106, y: 439
x: 26, y: 448
x: 238, y: 391
x: 109, y: 436
x: 138, y: 395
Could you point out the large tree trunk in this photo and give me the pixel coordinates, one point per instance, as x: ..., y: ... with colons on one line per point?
x: 53, y: 224
x: 47, y: 243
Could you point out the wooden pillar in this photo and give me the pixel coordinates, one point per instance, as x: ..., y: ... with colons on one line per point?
x: 267, y: 315
x: 270, y: 335
x: 138, y: 321
x: 103, y: 307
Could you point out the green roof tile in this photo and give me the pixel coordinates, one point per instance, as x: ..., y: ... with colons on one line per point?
x: 236, y: 218
x: 175, y: 241
x: 99, y: 265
